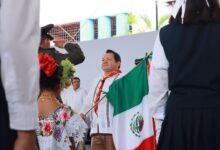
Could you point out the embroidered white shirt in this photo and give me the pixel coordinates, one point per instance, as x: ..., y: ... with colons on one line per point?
x: 101, y: 123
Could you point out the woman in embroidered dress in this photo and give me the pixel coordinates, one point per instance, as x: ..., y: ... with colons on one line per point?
x: 59, y: 127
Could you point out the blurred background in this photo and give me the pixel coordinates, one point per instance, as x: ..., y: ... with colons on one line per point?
x: 83, y: 20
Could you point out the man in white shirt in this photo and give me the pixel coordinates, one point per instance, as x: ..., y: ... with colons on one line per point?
x: 102, y: 113
x: 19, y: 87
x: 74, y: 96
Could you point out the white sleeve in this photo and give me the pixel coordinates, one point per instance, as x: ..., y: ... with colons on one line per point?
x: 88, y: 100
x: 19, y: 42
x: 158, y: 84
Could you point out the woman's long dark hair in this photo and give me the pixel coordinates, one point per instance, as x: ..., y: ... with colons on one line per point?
x: 197, y: 11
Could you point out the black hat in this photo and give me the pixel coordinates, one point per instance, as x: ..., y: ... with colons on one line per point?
x: 45, y: 30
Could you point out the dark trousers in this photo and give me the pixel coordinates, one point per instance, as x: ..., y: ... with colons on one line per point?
x: 7, y: 136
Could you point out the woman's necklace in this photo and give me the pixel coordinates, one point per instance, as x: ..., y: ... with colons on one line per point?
x: 47, y: 95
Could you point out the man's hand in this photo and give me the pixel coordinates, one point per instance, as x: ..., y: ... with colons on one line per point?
x: 83, y: 116
x: 26, y: 140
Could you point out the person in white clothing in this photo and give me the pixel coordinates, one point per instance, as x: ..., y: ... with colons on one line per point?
x: 74, y: 96
x: 102, y: 113
x: 19, y: 88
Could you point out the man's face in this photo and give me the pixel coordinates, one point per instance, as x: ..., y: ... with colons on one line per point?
x: 76, y: 84
x: 45, y: 43
x: 109, y: 64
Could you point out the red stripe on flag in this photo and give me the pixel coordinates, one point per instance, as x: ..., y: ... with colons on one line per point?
x: 154, y: 128
x: 147, y: 144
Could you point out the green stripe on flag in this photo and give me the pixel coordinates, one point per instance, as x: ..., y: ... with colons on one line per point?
x: 128, y: 91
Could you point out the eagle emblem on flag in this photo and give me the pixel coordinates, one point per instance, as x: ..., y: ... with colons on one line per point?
x: 136, y: 124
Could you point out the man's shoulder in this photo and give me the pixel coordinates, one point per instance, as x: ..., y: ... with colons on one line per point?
x: 82, y: 90
x: 50, y: 51
x: 94, y: 83
x: 47, y: 50
x: 117, y: 76
x: 97, y: 79
x: 121, y: 75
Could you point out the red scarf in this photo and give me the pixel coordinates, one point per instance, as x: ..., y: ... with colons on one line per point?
x: 100, y: 87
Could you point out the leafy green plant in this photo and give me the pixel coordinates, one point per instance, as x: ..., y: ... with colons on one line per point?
x: 142, y: 23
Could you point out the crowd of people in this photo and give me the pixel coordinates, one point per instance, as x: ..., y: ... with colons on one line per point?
x: 43, y: 106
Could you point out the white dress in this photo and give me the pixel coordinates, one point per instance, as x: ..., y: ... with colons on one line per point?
x: 54, y: 131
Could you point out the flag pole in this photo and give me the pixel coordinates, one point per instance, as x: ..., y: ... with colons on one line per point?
x: 156, y: 7
x: 95, y: 105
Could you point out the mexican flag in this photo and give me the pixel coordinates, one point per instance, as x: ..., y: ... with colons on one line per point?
x: 132, y: 124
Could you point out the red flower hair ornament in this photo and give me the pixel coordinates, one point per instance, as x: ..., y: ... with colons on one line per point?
x: 47, y: 64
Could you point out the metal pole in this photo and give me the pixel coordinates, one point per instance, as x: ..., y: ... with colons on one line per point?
x: 95, y: 105
x: 156, y: 3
